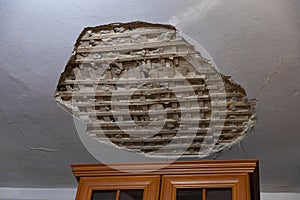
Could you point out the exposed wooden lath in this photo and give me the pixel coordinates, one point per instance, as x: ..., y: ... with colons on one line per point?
x: 144, y: 88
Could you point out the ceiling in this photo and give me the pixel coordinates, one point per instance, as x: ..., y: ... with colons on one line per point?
x: 256, y: 42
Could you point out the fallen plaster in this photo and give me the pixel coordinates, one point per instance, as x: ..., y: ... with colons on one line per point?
x: 142, y: 87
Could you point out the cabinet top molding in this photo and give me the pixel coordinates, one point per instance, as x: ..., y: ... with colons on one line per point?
x: 178, y: 167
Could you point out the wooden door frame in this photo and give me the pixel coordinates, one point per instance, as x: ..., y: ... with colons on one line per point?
x: 150, y: 185
x: 238, y: 182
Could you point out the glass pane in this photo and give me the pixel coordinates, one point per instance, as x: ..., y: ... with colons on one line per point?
x: 219, y: 194
x: 189, y: 193
x: 131, y: 194
x: 104, y: 195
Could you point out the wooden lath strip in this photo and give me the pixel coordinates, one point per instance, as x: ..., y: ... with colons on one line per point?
x: 189, y: 130
x: 134, y: 81
x: 128, y: 47
x: 135, y: 57
x: 145, y: 131
x: 158, y: 139
x: 143, y: 112
x: 127, y: 34
x: 137, y: 102
x: 167, y: 121
x: 170, y: 147
x: 123, y: 93
x: 162, y: 139
x: 137, y: 112
x: 148, y: 102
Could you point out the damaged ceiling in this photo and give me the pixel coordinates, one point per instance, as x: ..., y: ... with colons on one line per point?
x: 142, y: 87
x: 256, y: 43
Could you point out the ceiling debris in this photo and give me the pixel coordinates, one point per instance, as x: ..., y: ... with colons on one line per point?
x: 142, y: 87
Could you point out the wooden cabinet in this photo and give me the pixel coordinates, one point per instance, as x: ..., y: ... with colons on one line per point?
x: 181, y: 180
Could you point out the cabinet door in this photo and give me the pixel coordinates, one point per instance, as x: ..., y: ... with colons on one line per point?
x: 118, y: 188
x: 205, y: 187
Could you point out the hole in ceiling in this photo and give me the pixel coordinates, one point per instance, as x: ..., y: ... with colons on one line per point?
x: 143, y: 88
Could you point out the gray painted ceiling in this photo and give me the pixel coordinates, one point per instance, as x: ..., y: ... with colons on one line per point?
x: 256, y: 42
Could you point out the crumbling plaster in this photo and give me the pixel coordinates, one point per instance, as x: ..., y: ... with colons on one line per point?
x: 256, y: 42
